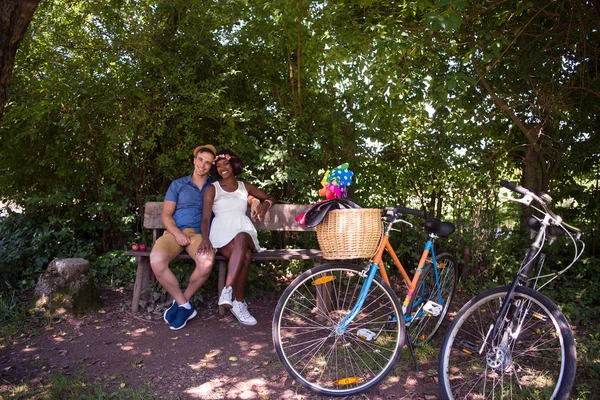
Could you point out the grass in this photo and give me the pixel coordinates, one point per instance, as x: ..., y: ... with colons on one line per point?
x: 59, y: 387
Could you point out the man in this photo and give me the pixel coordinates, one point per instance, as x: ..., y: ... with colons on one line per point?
x: 181, y: 216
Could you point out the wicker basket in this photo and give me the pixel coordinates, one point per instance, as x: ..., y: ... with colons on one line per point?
x: 351, y: 233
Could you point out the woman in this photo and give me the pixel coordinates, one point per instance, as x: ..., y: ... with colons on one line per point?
x: 233, y: 234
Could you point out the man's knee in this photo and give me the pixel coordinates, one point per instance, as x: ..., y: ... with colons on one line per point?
x: 204, y: 262
x: 159, y: 261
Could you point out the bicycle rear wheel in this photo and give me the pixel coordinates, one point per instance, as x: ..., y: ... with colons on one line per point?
x: 311, y: 349
x: 533, y: 357
x: 429, y: 303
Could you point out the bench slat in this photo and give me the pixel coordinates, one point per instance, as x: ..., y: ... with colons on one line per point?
x: 266, y: 255
x: 281, y: 217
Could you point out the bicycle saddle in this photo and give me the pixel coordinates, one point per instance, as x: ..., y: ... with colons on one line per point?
x: 317, y: 212
x: 442, y: 229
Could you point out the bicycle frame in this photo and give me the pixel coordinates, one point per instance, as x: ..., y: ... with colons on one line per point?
x: 530, y: 261
x: 533, y: 255
x: 377, y: 264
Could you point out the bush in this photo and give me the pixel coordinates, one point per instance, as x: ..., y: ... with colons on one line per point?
x: 31, y: 240
x: 114, y: 268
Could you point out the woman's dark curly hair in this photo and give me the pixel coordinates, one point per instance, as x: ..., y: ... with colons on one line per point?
x: 236, y: 163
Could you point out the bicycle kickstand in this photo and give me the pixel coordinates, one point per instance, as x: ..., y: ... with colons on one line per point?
x: 412, y: 350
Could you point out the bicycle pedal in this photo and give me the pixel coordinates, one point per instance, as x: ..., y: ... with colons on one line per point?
x: 366, y: 334
x: 539, y: 316
x: 433, y: 309
x: 468, y: 347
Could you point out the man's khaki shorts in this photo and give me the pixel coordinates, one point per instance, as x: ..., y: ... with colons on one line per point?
x: 168, y: 244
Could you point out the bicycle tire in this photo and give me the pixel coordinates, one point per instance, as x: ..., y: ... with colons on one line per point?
x: 540, y: 363
x: 304, y: 331
x: 424, y: 325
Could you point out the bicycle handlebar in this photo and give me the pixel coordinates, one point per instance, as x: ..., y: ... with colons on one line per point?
x: 514, y: 187
x: 526, y: 192
x: 397, y: 210
x: 404, y: 210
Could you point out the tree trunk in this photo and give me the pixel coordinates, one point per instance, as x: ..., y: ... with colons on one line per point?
x: 15, y: 16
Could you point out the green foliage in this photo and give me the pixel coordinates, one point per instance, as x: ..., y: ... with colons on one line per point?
x: 578, y: 291
x: 73, y: 387
x: 588, y: 355
x: 8, y: 305
x: 30, y: 241
x: 114, y: 269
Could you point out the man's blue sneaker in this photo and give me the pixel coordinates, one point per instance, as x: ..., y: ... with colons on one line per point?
x: 170, y: 313
x: 182, y: 317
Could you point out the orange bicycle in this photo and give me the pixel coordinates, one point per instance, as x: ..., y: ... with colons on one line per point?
x: 338, y: 329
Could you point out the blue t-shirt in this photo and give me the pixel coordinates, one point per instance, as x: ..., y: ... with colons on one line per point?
x: 189, y: 201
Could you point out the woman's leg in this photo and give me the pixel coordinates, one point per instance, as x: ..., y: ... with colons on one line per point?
x: 240, y: 283
x: 236, y: 252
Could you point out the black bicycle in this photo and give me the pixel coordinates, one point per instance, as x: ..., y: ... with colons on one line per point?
x: 512, y: 341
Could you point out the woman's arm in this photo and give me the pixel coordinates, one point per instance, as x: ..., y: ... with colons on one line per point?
x: 267, y: 201
x: 209, y: 198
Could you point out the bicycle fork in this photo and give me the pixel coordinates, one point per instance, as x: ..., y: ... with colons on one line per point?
x: 343, y: 325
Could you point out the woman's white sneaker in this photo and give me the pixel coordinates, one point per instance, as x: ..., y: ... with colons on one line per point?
x: 240, y: 311
x: 226, y: 295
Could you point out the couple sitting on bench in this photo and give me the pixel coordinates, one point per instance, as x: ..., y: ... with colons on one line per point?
x: 187, y: 210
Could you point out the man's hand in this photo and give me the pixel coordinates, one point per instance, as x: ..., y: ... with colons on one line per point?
x: 182, y: 240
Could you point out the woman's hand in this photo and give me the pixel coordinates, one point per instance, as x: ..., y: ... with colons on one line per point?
x: 259, y: 210
x: 205, y: 247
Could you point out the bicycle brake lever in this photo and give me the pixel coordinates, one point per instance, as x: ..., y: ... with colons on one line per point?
x: 406, y: 222
x: 526, y: 200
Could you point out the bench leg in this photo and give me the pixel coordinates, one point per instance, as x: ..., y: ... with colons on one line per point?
x: 142, y: 278
x: 324, y: 300
x: 222, y: 276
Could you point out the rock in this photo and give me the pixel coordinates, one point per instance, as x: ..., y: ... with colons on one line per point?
x: 66, y: 286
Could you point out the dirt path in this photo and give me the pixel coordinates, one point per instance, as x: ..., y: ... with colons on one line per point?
x: 214, y: 357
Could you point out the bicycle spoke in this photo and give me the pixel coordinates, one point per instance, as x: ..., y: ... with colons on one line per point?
x: 318, y: 351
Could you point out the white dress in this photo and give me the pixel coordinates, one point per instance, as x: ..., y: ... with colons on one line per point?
x: 230, y: 217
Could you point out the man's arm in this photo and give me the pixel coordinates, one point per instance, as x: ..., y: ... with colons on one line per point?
x: 170, y: 225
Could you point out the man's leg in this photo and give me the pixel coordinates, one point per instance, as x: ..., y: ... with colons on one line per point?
x: 160, y: 257
x: 204, y: 264
x: 159, y: 261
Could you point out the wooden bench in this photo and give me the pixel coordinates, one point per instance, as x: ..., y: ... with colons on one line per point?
x: 281, y: 217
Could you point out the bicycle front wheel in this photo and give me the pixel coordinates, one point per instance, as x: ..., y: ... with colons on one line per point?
x: 429, y: 303
x: 312, y: 348
x: 532, y: 355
